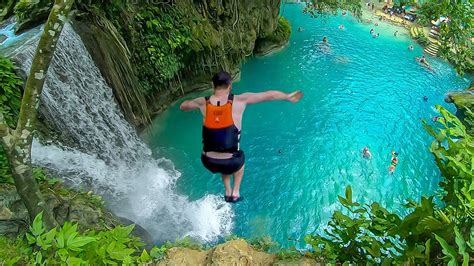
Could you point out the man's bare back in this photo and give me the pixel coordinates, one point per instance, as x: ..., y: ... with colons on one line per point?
x: 222, y: 121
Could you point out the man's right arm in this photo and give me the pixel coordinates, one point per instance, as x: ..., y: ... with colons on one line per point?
x: 251, y: 98
x: 193, y: 104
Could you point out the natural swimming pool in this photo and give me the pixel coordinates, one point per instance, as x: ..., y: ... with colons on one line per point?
x: 361, y: 92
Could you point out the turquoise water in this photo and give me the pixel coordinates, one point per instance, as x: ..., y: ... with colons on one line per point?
x: 363, y: 91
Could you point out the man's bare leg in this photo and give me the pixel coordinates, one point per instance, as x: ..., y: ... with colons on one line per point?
x: 237, y: 180
x: 228, y: 189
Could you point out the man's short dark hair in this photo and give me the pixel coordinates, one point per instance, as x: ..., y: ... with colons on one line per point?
x: 221, y: 78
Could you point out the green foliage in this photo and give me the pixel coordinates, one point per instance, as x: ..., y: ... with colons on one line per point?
x: 465, y: 247
x: 282, y: 32
x: 14, y: 251
x: 289, y: 254
x: 10, y: 92
x: 165, y: 38
x: 186, y: 242
x: 455, y: 36
x: 68, y: 246
x: 10, y: 100
x: 373, y: 234
x: 264, y: 243
x: 26, y: 8
x: 453, y: 150
x: 422, y: 39
x: 323, y: 7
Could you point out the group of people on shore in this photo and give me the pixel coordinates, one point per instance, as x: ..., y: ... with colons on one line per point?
x: 366, y: 154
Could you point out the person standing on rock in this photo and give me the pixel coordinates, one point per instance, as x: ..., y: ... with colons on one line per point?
x: 222, y: 113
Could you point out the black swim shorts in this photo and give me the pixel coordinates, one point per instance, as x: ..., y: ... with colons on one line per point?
x: 224, y: 166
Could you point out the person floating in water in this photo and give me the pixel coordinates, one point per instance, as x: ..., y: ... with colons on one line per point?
x: 366, y: 153
x: 422, y: 60
x: 393, y: 163
x: 376, y: 35
x: 222, y: 112
x: 410, y: 47
x: 341, y: 27
x: 372, y: 31
x: 425, y: 98
x: 344, y: 12
x: 395, y: 33
x: 300, y: 29
x: 325, y: 39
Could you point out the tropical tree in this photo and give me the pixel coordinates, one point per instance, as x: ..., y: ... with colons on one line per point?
x: 17, y: 141
x: 456, y: 33
x: 322, y: 7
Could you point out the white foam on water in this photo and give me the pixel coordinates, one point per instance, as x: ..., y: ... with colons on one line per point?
x: 108, y: 155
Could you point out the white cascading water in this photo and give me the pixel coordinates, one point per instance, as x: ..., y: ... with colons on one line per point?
x: 110, y: 157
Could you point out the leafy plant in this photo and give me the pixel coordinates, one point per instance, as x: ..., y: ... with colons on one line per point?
x: 465, y: 248
x: 453, y: 150
x: 10, y: 99
x: 455, y: 35
x: 373, y: 234
x: 165, y: 37
x: 67, y: 245
x: 264, y: 243
x: 323, y: 7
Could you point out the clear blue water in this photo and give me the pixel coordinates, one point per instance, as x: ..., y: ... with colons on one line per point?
x: 364, y: 91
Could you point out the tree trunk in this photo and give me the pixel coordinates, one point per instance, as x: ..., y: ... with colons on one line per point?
x: 17, y: 142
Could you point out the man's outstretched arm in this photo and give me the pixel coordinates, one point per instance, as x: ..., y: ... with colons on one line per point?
x: 251, y: 98
x: 192, y: 104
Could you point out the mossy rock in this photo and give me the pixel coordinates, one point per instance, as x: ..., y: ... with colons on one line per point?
x: 31, y: 13
x: 276, y: 40
x: 6, y: 9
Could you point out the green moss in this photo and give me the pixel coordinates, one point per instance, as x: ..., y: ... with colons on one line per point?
x: 14, y: 251
x: 282, y: 32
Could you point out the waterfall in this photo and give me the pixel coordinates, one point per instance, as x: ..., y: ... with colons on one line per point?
x: 108, y: 155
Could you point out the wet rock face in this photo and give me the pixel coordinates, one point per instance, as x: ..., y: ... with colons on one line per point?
x: 14, y: 217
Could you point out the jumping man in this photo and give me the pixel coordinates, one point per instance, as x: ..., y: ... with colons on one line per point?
x: 222, y: 112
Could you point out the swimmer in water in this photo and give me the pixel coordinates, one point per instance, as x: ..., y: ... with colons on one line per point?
x: 424, y: 62
x: 436, y: 118
x: 341, y: 27
x: 344, y: 12
x: 395, y: 33
x: 324, y: 46
x: 393, y: 163
x: 425, y: 98
x: 300, y: 29
x: 410, y: 47
x: 372, y: 31
x: 366, y: 153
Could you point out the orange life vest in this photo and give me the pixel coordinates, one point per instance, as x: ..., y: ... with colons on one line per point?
x: 219, y: 132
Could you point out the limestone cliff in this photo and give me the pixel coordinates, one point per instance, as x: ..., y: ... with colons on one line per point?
x: 234, y: 252
x: 161, y: 52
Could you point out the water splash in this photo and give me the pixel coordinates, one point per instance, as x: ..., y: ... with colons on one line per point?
x: 108, y: 155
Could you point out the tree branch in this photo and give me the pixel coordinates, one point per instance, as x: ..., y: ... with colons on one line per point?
x: 40, y: 65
